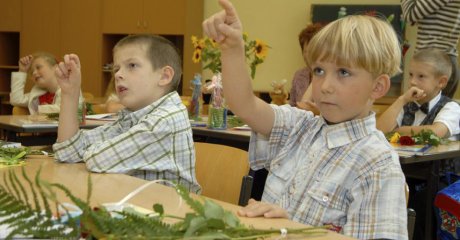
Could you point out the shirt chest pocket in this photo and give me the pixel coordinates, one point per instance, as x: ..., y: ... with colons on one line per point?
x: 330, y: 195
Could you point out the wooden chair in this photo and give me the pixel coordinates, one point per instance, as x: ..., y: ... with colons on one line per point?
x: 20, y: 110
x: 222, y: 172
x: 88, y: 96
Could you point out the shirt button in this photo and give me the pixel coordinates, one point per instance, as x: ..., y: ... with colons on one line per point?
x: 325, y: 198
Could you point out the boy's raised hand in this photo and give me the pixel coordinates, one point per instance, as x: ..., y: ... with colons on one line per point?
x: 68, y: 74
x: 257, y: 209
x: 25, y: 62
x: 225, y: 26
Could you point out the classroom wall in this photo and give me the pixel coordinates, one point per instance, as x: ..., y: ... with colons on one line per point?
x: 278, y: 23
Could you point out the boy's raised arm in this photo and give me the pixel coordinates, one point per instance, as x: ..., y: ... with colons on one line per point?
x: 69, y: 79
x: 225, y: 27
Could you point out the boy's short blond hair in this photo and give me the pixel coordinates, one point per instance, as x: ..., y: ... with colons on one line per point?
x: 160, y: 51
x: 436, y: 58
x: 357, y: 41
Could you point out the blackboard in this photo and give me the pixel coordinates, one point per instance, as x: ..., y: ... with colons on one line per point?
x: 327, y: 13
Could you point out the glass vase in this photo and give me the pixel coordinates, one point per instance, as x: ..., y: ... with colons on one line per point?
x: 217, y: 115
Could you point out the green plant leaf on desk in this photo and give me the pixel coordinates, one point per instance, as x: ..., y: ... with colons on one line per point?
x: 424, y: 137
x: 53, y: 116
x: 13, y: 156
x: 208, y: 220
x: 234, y: 121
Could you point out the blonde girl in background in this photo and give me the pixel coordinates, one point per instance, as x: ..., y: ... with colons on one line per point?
x: 45, y: 95
x: 112, y: 103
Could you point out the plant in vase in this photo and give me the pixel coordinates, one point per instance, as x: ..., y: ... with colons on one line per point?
x: 207, y: 51
x: 217, y: 116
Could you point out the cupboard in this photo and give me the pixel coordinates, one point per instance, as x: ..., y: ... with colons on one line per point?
x: 176, y: 20
x: 10, y: 11
x: 90, y: 28
x: 144, y: 16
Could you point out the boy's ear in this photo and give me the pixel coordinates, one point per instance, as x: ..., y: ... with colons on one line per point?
x: 167, y: 74
x: 443, y: 81
x: 381, y: 86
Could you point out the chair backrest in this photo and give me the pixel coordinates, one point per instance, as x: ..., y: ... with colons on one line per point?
x: 220, y: 170
x: 88, y: 96
x: 411, y: 215
x: 20, y: 110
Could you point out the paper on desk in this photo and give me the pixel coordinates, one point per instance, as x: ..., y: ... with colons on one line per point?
x: 244, y: 128
x: 114, y: 207
x: 30, y: 123
x: 104, y: 117
x: 411, y: 148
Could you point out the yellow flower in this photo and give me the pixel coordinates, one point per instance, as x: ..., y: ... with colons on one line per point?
x: 395, y: 138
x: 261, y: 49
x: 196, y: 55
x: 207, y: 51
x: 194, y: 41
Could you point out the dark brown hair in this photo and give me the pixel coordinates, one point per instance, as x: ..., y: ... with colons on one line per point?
x: 308, y: 32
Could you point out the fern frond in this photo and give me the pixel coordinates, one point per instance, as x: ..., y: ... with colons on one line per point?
x: 196, y: 205
x: 32, y: 189
x: 22, y: 218
x: 16, y: 192
x: 41, y: 193
x: 23, y: 190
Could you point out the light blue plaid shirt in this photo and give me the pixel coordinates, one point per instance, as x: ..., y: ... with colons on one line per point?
x: 345, y: 174
x: 155, y: 142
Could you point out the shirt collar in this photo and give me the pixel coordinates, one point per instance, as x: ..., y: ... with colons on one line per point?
x: 434, y: 101
x: 133, y: 117
x: 344, y: 133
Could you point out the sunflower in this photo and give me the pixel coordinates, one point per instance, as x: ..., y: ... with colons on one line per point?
x: 196, y: 55
x: 261, y: 49
x: 194, y: 41
x: 207, y: 51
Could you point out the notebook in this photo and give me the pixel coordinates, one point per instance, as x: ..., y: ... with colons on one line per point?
x: 102, y: 117
x: 410, y: 150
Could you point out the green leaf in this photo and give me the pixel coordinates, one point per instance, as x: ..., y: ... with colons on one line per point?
x: 214, y: 235
x: 231, y: 220
x: 195, y: 225
x: 216, y: 224
x: 212, y: 210
x: 158, y: 208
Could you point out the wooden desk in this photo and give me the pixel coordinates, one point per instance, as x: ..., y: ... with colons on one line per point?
x: 113, y: 187
x: 426, y: 166
x: 440, y: 152
x: 12, y: 127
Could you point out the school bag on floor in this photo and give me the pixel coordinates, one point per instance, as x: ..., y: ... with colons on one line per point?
x: 447, y: 208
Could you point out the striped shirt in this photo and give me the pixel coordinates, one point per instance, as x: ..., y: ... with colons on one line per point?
x: 155, y: 142
x: 438, y: 23
x: 345, y: 174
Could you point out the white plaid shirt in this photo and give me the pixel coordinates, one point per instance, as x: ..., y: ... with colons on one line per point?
x: 155, y: 142
x: 345, y: 174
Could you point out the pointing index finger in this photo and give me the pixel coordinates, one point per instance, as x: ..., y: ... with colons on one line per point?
x: 228, y: 8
